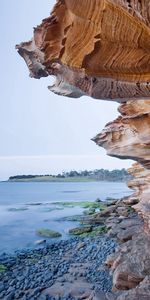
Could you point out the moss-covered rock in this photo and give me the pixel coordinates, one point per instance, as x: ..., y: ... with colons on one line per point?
x: 98, y: 200
x: 45, y: 232
x: 89, y: 212
x: 80, y: 230
x: 100, y: 230
x: 13, y: 209
x: 2, y: 269
x: 96, y: 231
x: 83, y: 204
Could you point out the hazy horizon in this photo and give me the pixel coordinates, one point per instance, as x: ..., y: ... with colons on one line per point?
x: 40, y: 131
x: 55, y: 164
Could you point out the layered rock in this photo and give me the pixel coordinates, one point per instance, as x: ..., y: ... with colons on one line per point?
x: 141, y: 185
x: 129, y: 137
x: 101, y: 48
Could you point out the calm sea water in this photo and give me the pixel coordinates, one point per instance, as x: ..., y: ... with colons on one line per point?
x: 27, y: 207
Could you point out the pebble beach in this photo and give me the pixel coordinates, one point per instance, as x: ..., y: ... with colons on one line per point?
x: 65, y: 270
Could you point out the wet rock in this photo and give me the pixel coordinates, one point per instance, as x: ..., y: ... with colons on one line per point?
x: 57, y: 268
x: 100, y: 296
x: 80, y: 245
x: 40, y: 242
x: 80, y: 230
x: 10, y: 296
x: 98, y: 200
x: 45, y: 232
x: 2, y: 287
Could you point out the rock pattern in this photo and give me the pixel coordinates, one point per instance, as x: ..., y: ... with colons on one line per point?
x: 130, y: 263
x: 101, y: 48
x: 129, y: 137
x: 66, y: 270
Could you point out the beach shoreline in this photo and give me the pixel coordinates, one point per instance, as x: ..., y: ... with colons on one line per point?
x: 77, y: 268
x: 67, y: 269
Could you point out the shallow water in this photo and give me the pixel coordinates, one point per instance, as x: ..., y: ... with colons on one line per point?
x: 26, y: 207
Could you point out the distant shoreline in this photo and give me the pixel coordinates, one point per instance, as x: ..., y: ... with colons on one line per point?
x: 62, y: 180
x: 74, y: 176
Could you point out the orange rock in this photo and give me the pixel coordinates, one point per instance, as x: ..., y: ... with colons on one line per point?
x: 101, y: 48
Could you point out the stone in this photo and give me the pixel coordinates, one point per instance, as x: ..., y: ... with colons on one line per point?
x: 98, y: 296
x: 42, y: 297
x: 45, y: 232
x: 130, y: 222
x: 131, y: 200
x: 127, y: 234
x: 10, y: 296
x: 90, y: 70
x: 40, y: 242
x: 122, y: 211
x: 132, y: 264
x: 81, y: 245
x: 86, y: 73
x: 2, y: 287
x: 142, y: 292
x: 98, y: 200
x: 111, y: 259
x: 80, y: 230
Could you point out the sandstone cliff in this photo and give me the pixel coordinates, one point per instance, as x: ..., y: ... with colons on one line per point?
x: 101, y: 48
x: 129, y: 137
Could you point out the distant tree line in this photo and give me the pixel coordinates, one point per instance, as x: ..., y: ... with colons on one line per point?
x: 24, y: 177
x: 98, y: 174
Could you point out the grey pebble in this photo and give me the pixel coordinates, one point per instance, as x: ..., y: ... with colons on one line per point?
x: 50, y: 264
x: 2, y: 287
x: 10, y: 296
x: 42, y: 297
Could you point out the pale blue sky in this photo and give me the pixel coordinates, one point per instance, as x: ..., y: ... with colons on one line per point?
x: 39, y: 131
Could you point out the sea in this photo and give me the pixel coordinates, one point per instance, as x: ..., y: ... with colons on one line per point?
x: 26, y: 207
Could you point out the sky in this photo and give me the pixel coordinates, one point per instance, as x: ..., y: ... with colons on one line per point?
x: 40, y: 132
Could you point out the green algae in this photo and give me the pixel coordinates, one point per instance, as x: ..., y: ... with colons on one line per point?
x: 80, y: 230
x: 50, y: 209
x: 130, y: 209
x: 13, y: 209
x: 2, y: 269
x: 45, y: 232
x: 83, y: 204
x: 96, y: 231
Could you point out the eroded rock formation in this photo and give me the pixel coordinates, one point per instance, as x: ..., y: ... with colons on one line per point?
x: 129, y: 137
x: 101, y: 48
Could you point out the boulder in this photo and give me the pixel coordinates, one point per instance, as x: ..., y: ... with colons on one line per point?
x: 80, y: 230
x: 142, y: 292
x: 48, y: 233
x: 132, y: 264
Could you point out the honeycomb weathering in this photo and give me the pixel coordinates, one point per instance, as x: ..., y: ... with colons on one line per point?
x: 101, y: 48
